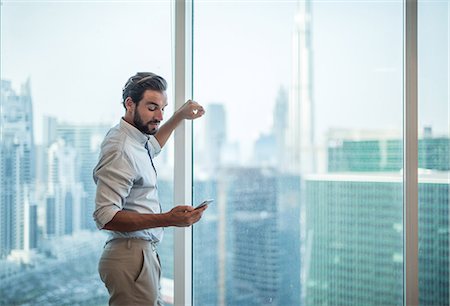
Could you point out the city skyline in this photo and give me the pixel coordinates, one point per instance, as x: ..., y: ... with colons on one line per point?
x: 238, y: 185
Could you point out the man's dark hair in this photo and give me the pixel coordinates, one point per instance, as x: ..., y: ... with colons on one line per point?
x: 140, y: 82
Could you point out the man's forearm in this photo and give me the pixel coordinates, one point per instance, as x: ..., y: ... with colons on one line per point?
x: 128, y: 221
x: 167, y: 128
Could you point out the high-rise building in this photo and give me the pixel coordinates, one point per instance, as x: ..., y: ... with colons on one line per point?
x: 84, y: 140
x: 354, y: 242
x: 354, y: 223
x: 205, y: 247
x: 248, y: 234
x: 434, y: 153
x: 16, y: 167
x: 64, y: 191
x: 247, y: 246
x: 215, y: 137
x: 280, y: 124
x: 434, y: 242
x: 383, y: 151
x: 33, y: 229
x: 265, y: 151
x: 288, y: 203
x: 300, y: 131
x: 360, y: 187
x: 270, y: 149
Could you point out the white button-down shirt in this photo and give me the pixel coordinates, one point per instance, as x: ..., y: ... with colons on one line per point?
x: 126, y: 179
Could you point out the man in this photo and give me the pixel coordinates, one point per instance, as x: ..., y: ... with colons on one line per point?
x: 127, y: 202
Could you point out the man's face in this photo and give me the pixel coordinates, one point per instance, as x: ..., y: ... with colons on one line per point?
x: 149, y: 112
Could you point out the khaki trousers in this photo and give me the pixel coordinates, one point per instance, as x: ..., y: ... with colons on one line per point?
x: 131, y: 271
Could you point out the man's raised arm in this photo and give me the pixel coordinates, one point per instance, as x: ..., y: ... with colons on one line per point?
x: 189, y: 110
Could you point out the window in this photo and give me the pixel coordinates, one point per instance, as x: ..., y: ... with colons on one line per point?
x: 302, y: 149
x: 63, y: 67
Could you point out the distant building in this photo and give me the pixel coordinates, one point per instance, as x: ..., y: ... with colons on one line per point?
x: 289, y: 223
x: 64, y: 192
x: 84, y: 141
x: 206, y: 241
x: 17, y: 211
x: 242, y: 242
x: 265, y: 151
x: 215, y: 138
x: 365, y: 151
x: 301, y: 156
x: 248, y: 234
x: 280, y: 126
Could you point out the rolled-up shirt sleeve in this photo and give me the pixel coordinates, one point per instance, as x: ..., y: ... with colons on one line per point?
x: 114, y: 176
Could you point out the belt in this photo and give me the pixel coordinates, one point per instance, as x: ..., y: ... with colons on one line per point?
x: 130, y: 241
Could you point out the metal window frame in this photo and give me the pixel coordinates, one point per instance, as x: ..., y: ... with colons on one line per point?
x: 183, y: 152
x: 410, y: 157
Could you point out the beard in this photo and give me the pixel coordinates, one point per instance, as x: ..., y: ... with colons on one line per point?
x: 143, y: 127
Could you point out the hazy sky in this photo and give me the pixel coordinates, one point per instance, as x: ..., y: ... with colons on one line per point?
x: 78, y: 54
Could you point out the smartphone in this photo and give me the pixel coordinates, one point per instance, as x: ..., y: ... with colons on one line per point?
x: 205, y: 202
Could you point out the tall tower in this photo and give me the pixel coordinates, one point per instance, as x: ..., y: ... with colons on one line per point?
x: 280, y: 122
x: 300, y: 133
x: 215, y: 137
x: 16, y: 168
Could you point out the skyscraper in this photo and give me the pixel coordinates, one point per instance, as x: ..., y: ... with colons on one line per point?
x: 270, y: 149
x: 206, y: 239
x: 355, y: 246
x: 280, y: 124
x: 299, y: 143
x: 215, y: 137
x: 288, y: 198
x: 84, y: 140
x: 355, y: 220
x: 17, y: 168
x: 249, y: 228
x: 64, y: 191
x: 300, y: 132
x: 362, y: 151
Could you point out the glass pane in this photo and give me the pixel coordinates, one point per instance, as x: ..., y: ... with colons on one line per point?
x: 301, y: 148
x: 63, y: 66
x: 434, y: 152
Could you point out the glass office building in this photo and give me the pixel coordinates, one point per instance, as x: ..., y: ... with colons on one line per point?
x: 355, y: 225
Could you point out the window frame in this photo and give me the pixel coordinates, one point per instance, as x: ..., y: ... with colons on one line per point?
x: 183, y: 166
x: 410, y: 156
x: 183, y: 170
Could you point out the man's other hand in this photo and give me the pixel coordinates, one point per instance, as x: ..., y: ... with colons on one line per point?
x: 191, y: 110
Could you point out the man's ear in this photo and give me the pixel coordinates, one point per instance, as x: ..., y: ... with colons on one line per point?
x: 129, y: 104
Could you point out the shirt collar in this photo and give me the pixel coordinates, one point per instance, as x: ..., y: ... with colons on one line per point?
x: 133, y: 132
